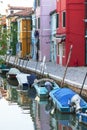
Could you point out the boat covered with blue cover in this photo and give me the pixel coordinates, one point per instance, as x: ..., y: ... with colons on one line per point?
x: 67, y: 101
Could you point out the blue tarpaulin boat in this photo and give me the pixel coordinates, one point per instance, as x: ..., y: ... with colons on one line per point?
x: 67, y: 101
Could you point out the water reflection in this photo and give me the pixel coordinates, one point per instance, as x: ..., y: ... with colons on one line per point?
x: 12, y: 117
x: 65, y: 122
x: 12, y: 94
x: 19, y: 110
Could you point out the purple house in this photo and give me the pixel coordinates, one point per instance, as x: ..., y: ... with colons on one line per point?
x: 42, y: 11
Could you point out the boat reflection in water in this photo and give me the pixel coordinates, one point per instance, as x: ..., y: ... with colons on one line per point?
x: 22, y: 111
x: 62, y: 121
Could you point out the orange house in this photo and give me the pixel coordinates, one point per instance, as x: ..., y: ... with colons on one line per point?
x: 25, y: 36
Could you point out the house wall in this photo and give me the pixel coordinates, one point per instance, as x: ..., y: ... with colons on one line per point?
x: 44, y: 32
x: 46, y: 8
x: 74, y: 30
x: 53, y: 49
x: 61, y: 6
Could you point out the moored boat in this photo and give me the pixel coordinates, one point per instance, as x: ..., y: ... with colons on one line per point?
x: 22, y: 81
x: 12, y: 73
x: 44, y: 86
x: 67, y: 101
x: 25, y: 81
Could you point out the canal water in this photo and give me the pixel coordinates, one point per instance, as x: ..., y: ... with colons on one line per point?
x: 19, y: 111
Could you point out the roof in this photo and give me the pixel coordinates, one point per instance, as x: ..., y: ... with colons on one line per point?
x: 17, y: 7
x: 24, y: 12
x: 19, y: 11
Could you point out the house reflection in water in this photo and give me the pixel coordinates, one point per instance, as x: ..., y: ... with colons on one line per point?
x: 23, y: 98
x: 41, y: 117
x: 12, y: 94
x: 45, y: 121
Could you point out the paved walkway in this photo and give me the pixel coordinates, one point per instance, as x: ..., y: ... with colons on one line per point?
x: 74, y: 75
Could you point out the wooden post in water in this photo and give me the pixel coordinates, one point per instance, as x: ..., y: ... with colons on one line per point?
x: 83, y: 83
x: 69, y: 56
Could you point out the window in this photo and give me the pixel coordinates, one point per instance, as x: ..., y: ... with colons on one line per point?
x: 37, y: 3
x: 38, y: 23
x: 57, y: 20
x: 64, y: 19
x: 11, y: 11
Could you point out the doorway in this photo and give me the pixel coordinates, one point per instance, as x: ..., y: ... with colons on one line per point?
x: 60, y: 53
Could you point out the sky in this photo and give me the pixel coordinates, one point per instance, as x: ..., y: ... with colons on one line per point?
x: 4, y: 3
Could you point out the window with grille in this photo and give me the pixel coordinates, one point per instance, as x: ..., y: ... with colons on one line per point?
x: 64, y: 19
x: 57, y: 20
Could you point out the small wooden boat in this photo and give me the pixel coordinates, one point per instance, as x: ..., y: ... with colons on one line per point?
x: 67, y: 101
x: 12, y: 73
x: 44, y: 86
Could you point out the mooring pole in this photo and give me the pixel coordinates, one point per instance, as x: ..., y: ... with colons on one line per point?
x: 83, y: 83
x: 69, y: 56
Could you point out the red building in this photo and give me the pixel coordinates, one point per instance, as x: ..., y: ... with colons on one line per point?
x: 72, y: 30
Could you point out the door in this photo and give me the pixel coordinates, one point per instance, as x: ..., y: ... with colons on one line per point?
x: 60, y: 53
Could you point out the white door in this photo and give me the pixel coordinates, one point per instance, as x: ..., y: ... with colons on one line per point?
x: 60, y: 53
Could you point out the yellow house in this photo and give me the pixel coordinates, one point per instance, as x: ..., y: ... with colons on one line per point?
x: 25, y: 36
